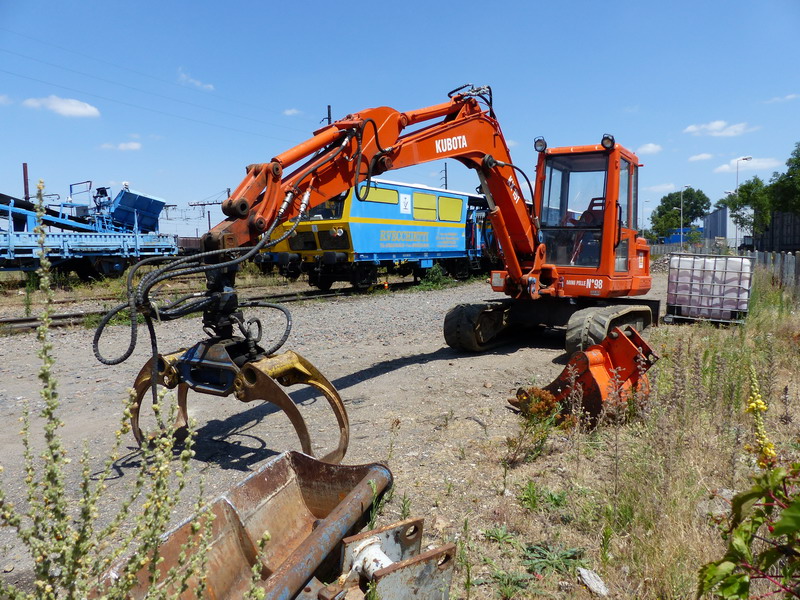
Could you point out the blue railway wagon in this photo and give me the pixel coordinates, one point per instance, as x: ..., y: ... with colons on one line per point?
x: 100, y: 239
x: 403, y: 228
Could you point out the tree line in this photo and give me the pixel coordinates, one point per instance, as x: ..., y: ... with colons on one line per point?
x: 750, y: 205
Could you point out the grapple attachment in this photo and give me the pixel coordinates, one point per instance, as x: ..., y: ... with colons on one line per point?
x: 255, y: 380
x: 615, y: 367
x: 310, y: 511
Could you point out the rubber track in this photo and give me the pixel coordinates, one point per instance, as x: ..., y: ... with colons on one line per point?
x: 459, y: 327
x: 590, y: 326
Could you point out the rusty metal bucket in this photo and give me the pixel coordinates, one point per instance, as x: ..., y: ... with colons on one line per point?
x: 307, y: 507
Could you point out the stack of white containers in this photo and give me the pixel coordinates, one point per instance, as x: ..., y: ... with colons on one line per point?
x: 716, y: 288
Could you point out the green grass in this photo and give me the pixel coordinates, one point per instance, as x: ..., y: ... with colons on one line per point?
x: 630, y: 500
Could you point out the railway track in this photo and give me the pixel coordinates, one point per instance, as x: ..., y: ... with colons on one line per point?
x: 87, y: 317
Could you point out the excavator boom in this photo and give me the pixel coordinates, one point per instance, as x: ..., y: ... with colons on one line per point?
x: 372, y: 142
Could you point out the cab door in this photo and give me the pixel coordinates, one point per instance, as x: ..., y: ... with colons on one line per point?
x: 625, y: 215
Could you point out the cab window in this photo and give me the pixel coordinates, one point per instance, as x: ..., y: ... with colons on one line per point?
x: 624, y: 191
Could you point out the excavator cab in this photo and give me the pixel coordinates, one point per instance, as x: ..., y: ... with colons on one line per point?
x: 577, y: 200
x: 587, y: 201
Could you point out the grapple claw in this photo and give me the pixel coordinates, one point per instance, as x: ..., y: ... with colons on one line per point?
x: 257, y: 380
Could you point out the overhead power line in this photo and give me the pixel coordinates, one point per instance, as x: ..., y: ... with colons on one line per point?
x: 145, y: 108
x: 125, y: 68
x: 155, y: 94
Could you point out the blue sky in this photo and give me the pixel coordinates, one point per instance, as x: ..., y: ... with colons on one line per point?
x: 178, y: 97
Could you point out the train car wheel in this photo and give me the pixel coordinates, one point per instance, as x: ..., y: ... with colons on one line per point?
x: 364, y: 276
x: 85, y: 270
x: 324, y: 283
x: 459, y: 268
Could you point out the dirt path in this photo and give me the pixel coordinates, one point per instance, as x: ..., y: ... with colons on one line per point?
x: 437, y: 417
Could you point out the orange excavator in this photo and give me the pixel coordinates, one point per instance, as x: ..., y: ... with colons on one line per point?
x: 572, y: 257
x: 571, y: 252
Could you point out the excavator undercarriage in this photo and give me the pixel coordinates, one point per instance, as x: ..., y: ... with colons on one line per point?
x: 480, y: 327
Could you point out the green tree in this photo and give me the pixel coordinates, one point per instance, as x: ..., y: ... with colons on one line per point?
x: 750, y: 206
x: 785, y: 188
x: 667, y: 214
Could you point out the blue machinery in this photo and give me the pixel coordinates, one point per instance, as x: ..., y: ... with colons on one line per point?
x: 97, y: 239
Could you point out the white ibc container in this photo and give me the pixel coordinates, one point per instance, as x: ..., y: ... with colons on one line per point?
x: 708, y: 287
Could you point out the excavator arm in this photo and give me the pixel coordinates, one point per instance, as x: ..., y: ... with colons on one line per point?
x: 372, y: 142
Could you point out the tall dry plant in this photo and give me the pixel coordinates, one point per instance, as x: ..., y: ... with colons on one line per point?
x: 72, y: 549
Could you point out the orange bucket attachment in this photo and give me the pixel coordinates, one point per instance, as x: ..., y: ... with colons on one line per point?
x: 614, y: 368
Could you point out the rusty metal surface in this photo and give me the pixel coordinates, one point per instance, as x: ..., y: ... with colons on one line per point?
x: 390, y: 558
x: 426, y: 576
x: 307, y: 507
x: 399, y: 541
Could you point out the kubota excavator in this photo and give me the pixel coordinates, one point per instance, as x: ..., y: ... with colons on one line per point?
x: 571, y: 257
x: 571, y: 251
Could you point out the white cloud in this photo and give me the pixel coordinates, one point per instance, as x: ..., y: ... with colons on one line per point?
x: 703, y: 156
x: 4, y: 100
x: 291, y: 112
x: 661, y: 188
x: 719, y: 129
x: 649, y: 148
x: 755, y: 164
x: 512, y: 143
x: 66, y: 107
x: 786, y: 98
x: 123, y: 146
x: 186, y: 79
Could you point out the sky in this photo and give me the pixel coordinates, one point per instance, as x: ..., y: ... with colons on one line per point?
x: 177, y: 97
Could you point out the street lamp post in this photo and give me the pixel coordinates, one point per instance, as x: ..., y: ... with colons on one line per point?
x: 736, y: 191
x: 735, y: 226
x: 738, y: 160
x: 681, y: 224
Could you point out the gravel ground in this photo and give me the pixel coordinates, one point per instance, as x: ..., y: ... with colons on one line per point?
x: 437, y: 417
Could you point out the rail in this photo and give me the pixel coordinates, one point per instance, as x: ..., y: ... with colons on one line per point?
x: 19, y: 324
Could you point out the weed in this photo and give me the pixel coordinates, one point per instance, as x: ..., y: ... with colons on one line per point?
x: 543, y: 559
x: 501, y: 535
x: 378, y: 503
x: 606, y: 536
x: 446, y: 418
x: 509, y: 584
x: 435, y: 278
x: 394, y: 427
x: 532, y: 497
x: 530, y: 440
x: 69, y: 547
x: 31, y: 284
x: 462, y: 558
x: 405, y: 507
